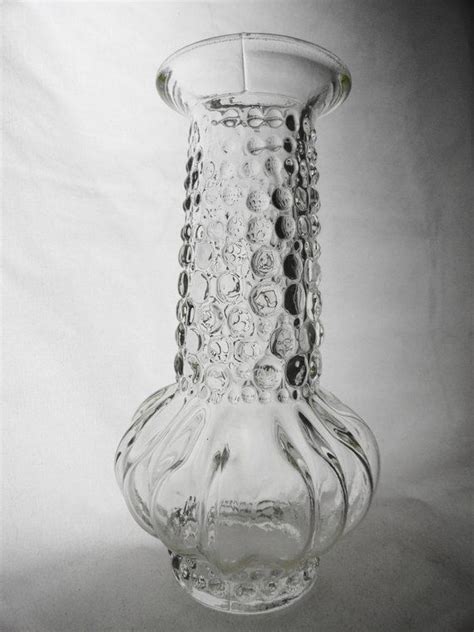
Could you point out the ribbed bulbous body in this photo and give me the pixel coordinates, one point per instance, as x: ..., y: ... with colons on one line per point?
x: 246, y: 468
x: 247, y: 496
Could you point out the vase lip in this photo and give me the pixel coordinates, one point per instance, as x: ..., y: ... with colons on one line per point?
x: 275, y: 68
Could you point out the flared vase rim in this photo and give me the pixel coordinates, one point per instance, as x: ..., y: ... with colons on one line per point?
x: 324, y: 80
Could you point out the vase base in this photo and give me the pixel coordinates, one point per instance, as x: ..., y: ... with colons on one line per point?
x: 248, y: 592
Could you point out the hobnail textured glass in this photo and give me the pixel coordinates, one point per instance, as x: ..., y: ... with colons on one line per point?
x: 246, y: 468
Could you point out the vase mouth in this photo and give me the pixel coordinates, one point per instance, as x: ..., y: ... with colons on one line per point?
x: 253, y: 69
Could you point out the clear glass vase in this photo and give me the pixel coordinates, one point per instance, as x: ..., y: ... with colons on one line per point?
x: 246, y: 468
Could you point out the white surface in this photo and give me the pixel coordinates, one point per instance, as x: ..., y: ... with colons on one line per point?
x: 93, y: 169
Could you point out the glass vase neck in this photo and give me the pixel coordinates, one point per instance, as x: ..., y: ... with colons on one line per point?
x: 249, y: 310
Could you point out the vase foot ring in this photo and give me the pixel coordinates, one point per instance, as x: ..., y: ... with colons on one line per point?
x: 248, y: 592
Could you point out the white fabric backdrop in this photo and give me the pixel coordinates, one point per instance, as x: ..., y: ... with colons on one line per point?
x: 93, y: 165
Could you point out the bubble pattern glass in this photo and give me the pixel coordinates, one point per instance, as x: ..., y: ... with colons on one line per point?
x: 246, y: 468
x: 249, y: 327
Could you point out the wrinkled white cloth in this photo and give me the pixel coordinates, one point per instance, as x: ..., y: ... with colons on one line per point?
x: 93, y: 165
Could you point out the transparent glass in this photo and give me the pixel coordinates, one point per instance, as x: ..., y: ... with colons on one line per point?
x: 246, y: 468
